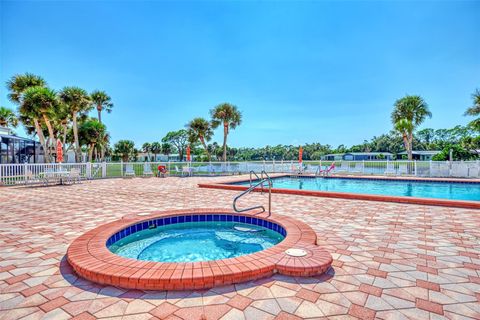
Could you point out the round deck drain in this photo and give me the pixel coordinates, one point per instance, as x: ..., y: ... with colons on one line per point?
x: 296, y: 252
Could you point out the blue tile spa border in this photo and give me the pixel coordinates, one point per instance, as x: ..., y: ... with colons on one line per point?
x: 159, y: 222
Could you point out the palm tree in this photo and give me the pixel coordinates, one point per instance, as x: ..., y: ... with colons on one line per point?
x: 405, y: 127
x: 102, y: 101
x: 147, y: 147
x: 91, y: 133
x: 38, y: 103
x: 408, y: 113
x: 44, y: 102
x: 228, y: 115
x: 200, y: 129
x: 8, y: 118
x: 17, y: 86
x: 78, y: 101
x: 63, y: 118
x: 104, y: 145
x: 20, y: 82
x: 156, y: 148
x: 125, y: 149
x: 475, y: 110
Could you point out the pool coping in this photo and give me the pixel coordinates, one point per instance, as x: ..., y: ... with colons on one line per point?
x: 92, y: 260
x: 228, y: 185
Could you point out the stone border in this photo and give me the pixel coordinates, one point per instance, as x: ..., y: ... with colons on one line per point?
x: 92, y: 260
x: 357, y: 196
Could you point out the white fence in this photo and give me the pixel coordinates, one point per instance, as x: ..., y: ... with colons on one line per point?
x: 11, y: 174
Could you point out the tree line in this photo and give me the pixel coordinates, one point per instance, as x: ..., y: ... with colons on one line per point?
x: 63, y: 115
x: 408, y: 114
x: 58, y: 116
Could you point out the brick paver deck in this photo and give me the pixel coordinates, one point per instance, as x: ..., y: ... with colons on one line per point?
x: 391, y: 261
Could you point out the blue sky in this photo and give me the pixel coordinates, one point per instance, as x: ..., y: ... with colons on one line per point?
x: 323, y: 71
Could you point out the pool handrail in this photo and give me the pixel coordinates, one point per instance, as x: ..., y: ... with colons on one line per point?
x: 251, y: 188
x: 256, y: 175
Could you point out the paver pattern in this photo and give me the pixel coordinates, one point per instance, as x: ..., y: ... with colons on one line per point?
x: 391, y: 261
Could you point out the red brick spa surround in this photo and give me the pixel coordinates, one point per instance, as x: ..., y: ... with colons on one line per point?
x: 91, y: 258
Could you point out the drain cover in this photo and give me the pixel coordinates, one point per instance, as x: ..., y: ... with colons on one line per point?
x: 296, y: 252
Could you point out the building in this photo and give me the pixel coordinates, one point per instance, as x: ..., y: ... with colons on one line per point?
x: 143, y: 156
x: 174, y: 157
x: 424, y: 155
x: 14, y: 149
x: 358, y: 156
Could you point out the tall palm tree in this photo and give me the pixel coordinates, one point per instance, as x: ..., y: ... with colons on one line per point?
x: 30, y: 114
x: 147, y: 147
x: 78, y: 101
x: 405, y: 127
x: 102, y: 101
x: 8, y: 118
x: 20, y: 82
x: 200, y: 129
x: 228, y: 115
x: 16, y: 87
x: 45, y: 102
x: 414, y: 110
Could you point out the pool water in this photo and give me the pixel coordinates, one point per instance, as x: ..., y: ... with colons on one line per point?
x: 195, y: 241
x: 440, y: 190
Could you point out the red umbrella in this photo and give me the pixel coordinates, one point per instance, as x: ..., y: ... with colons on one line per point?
x: 300, y: 153
x: 59, y: 151
x: 188, y: 153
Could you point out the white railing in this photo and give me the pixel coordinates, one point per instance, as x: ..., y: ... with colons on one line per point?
x: 12, y: 174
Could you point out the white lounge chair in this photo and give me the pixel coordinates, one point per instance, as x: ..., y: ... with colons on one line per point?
x: 147, y: 170
x: 74, y: 176
x: 358, y: 167
x: 188, y: 171
x: 30, y: 177
x: 344, y: 167
x: 49, y: 176
x: 129, y: 172
x: 402, y: 170
x: 390, y: 169
x: 184, y: 171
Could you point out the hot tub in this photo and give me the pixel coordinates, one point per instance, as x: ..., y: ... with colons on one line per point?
x: 196, y: 249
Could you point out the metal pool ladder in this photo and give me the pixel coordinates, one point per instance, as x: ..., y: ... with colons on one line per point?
x: 262, y: 181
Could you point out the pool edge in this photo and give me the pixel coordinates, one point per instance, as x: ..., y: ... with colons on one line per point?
x: 353, y: 196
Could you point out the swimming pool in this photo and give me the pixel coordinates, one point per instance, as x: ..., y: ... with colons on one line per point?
x: 385, y: 187
x: 196, y: 241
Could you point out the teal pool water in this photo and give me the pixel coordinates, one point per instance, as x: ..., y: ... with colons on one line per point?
x: 439, y: 190
x: 195, y: 241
